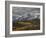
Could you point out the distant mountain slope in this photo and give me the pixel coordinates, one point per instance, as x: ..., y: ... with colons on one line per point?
x: 15, y: 18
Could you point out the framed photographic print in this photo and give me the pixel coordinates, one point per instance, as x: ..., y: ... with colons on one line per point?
x: 24, y: 18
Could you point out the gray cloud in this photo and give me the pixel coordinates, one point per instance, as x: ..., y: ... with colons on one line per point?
x: 25, y: 11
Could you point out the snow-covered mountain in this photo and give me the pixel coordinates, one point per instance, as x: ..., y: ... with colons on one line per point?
x: 22, y: 18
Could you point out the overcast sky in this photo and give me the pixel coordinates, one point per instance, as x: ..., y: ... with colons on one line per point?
x: 24, y: 11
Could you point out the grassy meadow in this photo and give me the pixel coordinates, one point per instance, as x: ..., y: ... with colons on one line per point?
x: 26, y: 25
